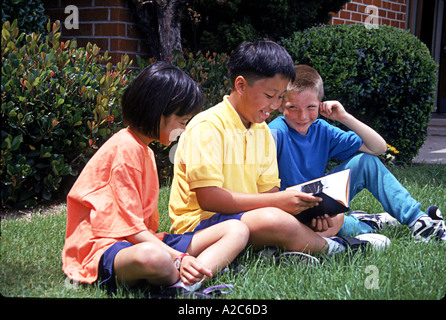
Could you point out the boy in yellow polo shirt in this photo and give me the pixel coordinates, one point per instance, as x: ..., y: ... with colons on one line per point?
x: 226, y: 167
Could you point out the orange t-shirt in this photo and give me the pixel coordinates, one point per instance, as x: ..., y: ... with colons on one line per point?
x: 115, y: 196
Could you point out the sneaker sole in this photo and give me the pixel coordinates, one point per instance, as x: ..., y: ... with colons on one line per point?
x: 378, y: 241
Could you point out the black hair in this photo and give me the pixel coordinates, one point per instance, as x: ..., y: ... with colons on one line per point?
x: 159, y: 89
x: 260, y: 59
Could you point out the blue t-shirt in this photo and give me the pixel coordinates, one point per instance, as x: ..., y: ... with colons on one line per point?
x: 303, y: 158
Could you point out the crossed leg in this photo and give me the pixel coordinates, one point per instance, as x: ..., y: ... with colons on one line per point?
x: 215, y: 247
x: 275, y: 227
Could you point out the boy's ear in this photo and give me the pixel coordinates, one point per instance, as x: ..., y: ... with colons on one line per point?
x: 240, y: 84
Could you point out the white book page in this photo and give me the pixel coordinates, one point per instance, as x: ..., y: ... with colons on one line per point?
x: 335, y: 185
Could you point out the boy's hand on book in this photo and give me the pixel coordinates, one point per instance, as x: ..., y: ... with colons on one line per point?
x: 193, y: 271
x: 321, y: 224
x: 294, y: 202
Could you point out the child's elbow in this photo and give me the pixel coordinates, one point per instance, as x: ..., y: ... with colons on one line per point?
x: 204, y: 205
x: 379, y: 151
x: 382, y: 147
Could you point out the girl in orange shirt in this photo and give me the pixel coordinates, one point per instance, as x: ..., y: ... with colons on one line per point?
x: 112, y: 214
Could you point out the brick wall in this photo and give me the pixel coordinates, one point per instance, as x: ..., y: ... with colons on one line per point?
x: 392, y: 13
x: 111, y: 24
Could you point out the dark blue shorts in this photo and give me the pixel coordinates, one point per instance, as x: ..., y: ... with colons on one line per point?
x: 217, y: 218
x: 106, y: 273
x: 180, y: 242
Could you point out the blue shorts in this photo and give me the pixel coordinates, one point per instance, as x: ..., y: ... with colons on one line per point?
x: 180, y: 242
x: 217, y: 218
x: 106, y: 273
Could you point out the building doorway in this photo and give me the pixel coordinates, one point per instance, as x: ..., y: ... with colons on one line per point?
x: 441, y: 103
x: 426, y: 21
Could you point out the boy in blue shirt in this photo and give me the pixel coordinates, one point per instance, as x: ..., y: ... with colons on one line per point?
x: 226, y: 164
x: 305, y: 143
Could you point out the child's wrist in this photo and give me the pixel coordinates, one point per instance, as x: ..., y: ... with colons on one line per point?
x: 179, y: 259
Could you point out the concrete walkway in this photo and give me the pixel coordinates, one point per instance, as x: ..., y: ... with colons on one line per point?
x: 434, y: 148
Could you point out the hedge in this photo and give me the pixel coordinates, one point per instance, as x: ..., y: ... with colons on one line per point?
x: 30, y: 15
x: 385, y: 77
x: 59, y: 105
x: 59, y: 102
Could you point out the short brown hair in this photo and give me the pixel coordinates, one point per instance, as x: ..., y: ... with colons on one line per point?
x: 307, y: 78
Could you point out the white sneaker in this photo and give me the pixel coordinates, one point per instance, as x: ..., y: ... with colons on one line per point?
x: 378, y: 221
x: 430, y: 226
x: 377, y: 241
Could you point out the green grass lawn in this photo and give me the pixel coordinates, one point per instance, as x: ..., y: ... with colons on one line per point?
x: 30, y: 258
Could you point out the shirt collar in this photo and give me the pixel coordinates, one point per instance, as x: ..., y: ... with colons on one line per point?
x: 240, y: 127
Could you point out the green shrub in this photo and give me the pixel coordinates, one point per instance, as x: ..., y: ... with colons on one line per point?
x: 209, y: 70
x: 222, y: 25
x: 30, y: 14
x: 59, y: 104
x: 385, y: 77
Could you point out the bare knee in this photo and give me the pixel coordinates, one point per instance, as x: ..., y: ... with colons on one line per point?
x: 237, y: 230
x: 153, y: 259
x: 271, y: 226
x: 144, y: 261
x: 271, y: 219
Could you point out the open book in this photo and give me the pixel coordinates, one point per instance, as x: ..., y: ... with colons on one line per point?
x: 333, y: 189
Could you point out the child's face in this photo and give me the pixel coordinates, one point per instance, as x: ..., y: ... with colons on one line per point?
x: 261, y: 98
x: 171, y: 127
x: 301, y: 109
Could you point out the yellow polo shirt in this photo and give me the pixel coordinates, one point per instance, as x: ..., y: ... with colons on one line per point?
x: 217, y: 150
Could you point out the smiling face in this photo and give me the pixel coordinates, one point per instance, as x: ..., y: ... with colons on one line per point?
x: 256, y: 101
x: 301, y: 109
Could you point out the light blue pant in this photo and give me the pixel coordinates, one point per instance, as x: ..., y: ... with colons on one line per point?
x: 368, y: 172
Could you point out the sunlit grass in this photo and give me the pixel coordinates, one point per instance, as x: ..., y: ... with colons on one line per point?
x: 30, y: 259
